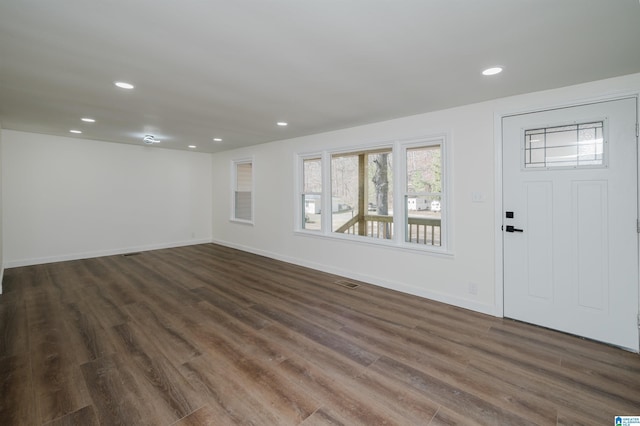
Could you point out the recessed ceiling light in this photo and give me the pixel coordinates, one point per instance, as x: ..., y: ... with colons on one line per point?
x: 123, y: 85
x: 492, y: 71
x: 75, y: 131
x: 217, y: 139
x: 282, y: 123
x: 88, y: 120
x: 192, y: 146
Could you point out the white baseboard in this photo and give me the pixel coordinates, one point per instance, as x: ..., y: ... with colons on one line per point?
x: 392, y: 285
x: 100, y: 253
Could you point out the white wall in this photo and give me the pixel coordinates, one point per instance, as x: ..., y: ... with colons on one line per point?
x: 68, y: 198
x: 474, y: 137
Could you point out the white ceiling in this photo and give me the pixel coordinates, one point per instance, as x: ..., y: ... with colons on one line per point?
x: 232, y: 68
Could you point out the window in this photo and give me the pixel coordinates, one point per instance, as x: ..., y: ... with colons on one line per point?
x: 312, y: 194
x: 242, y: 205
x: 394, y: 195
x: 423, y: 195
x: 362, y: 193
x: 575, y: 145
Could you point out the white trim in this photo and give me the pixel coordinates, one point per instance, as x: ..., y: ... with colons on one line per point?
x: 362, y: 147
x: 327, y: 196
x: 101, y: 253
x: 399, y: 162
x: 234, y: 184
x: 380, y: 243
x: 241, y: 221
x: 298, y: 189
x: 1, y: 277
x: 615, y: 96
x: 499, y: 249
x: 444, y: 141
x: 488, y: 309
x: 638, y: 206
x: 398, y: 150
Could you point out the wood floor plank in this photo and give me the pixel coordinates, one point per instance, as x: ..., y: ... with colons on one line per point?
x: 566, y: 398
x: 403, y: 402
x: 17, y: 396
x: 220, y: 301
x: 207, y: 416
x: 337, y: 398
x: 320, y: 335
x: 271, y: 395
x: 207, y: 334
x: 98, y: 296
x: 222, y: 389
x: 158, y: 327
x: 566, y: 348
x: 447, y: 417
x: 222, y: 333
x: 321, y: 295
x: 173, y: 397
x: 571, y: 418
x: 95, y: 341
x: 254, y: 361
x: 170, y: 263
x: 449, y: 395
x: 440, y: 363
x: 332, y: 363
x: 147, y: 275
x: 409, y: 346
x: 562, y: 377
x: 120, y: 286
x: 13, y: 326
x: 322, y: 418
x: 83, y: 417
x: 517, y: 353
x: 58, y: 385
x: 117, y: 398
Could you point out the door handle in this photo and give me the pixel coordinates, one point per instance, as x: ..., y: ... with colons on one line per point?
x: 512, y: 229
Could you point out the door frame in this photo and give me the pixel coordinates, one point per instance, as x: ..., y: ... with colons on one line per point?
x: 499, y: 208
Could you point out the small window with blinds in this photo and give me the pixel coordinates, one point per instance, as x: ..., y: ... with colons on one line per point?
x: 242, y: 209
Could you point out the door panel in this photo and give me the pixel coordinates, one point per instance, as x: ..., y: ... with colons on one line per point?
x: 574, y: 266
x: 589, y: 213
x: 539, y: 225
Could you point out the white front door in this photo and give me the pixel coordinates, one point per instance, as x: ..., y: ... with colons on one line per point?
x: 570, y: 236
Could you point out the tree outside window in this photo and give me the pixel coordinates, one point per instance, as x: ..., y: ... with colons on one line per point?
x: 423, y: 197
x: 362, y: 193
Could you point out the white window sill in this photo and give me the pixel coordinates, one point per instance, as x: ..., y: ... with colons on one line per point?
x: 242, y: 221
x: 377, y: 242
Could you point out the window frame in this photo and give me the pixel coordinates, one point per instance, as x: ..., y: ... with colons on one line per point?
x: 439, y: 140
x: 605, y: 146
x: 398, y: 150
x: 299, y: 192
x: 234, y: 190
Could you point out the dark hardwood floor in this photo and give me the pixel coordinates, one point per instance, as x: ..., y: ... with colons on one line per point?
x: 209, y: 335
